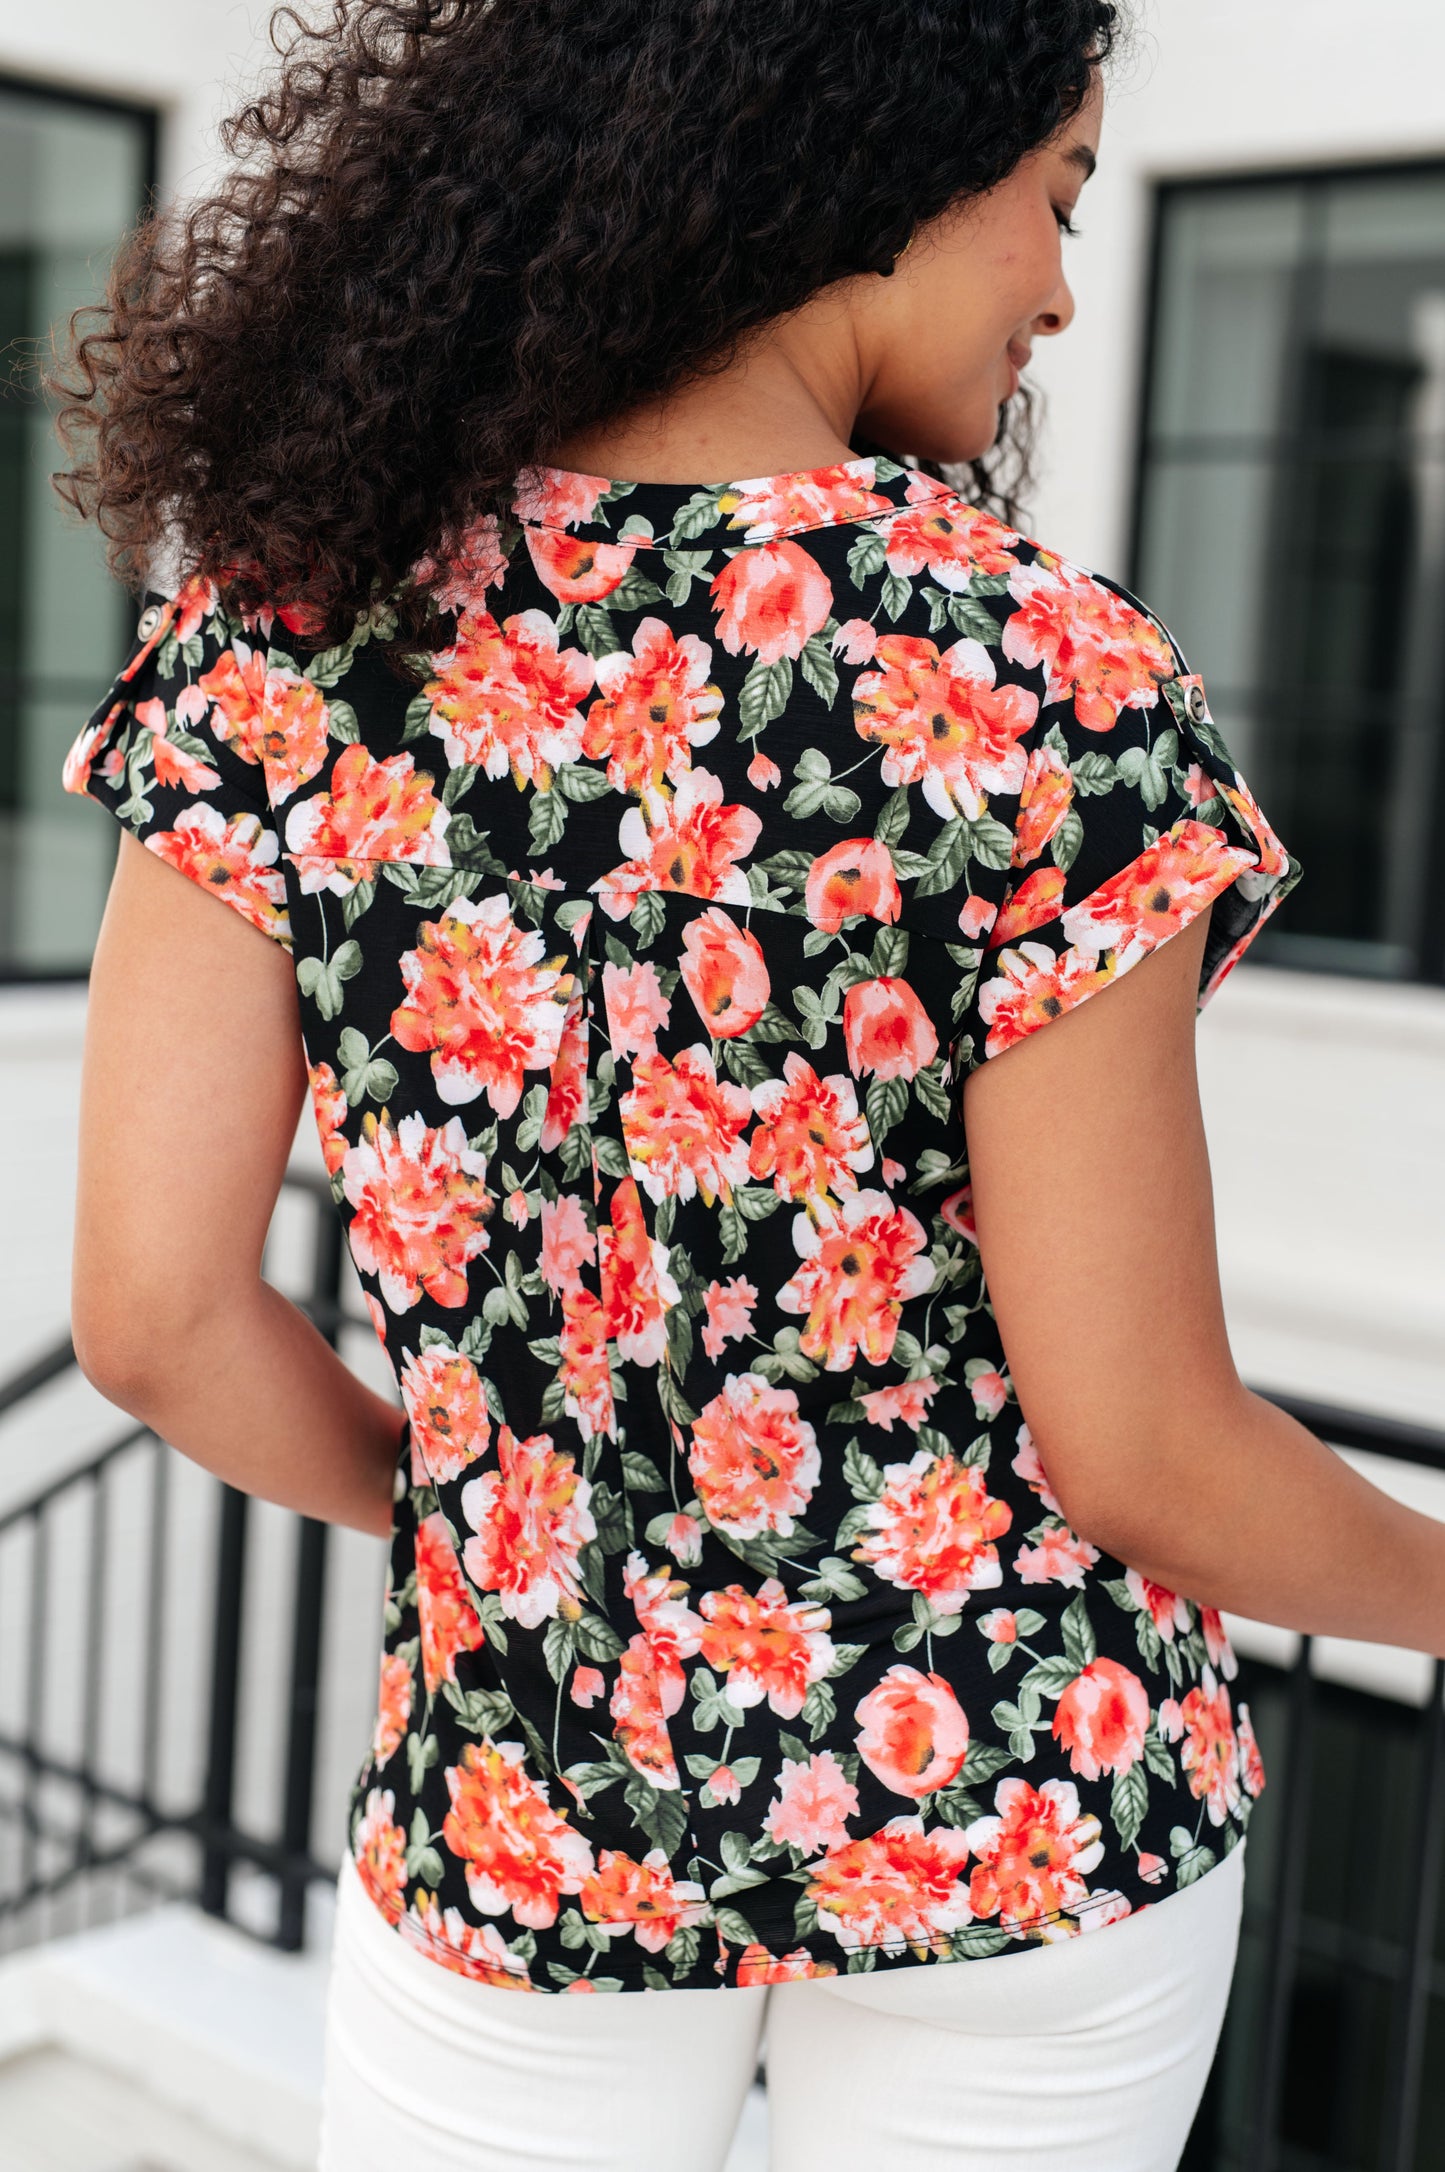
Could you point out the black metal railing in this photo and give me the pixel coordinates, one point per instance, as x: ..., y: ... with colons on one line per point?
x: 1330, y: 2059
x: 120, y: 1722
x: 1339, y: 1997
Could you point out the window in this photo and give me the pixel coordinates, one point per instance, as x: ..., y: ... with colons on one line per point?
x: 73, y: 175
x: 1291, y: 528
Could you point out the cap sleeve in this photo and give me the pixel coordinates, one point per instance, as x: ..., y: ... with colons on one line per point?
x: 1131, y: 820
x: 175, y: 752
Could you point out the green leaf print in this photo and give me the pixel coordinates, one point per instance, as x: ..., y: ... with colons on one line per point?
x: 819, y: 669
x: 1128, y: 1803
x: 764, y: 695
x: 547, y: 821
x: 868, y: 556
x: 863, y: 1474
x: 596, y: 631
x: 1079, y: 1641
x: 419, y: 713
x: 897, y: 594
x: 973, y: 619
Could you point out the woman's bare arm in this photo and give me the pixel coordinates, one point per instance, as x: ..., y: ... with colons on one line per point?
x: 1096, y: 1227
x: 193, y: 1081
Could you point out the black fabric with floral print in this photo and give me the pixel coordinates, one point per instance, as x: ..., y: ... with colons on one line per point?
x: 644, y: 941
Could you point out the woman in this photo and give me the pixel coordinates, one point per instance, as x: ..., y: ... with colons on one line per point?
x: 817, y: 1398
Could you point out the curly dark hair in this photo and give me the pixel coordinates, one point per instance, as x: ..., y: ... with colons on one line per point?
x: 456, y: 231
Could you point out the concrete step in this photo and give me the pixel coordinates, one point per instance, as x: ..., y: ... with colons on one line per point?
x: 59, y: 2113
x: 172, y: 2043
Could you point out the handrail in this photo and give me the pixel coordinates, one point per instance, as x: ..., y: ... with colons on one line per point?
x: 60, y: 1847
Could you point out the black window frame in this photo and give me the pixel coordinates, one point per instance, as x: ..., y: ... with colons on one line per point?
x: 1317, y: 176
x: 51, y: 91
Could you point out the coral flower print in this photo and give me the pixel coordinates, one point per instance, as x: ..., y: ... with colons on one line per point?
x: 729, y: 1307
x: 1210, y: 1749
x: 373, y: 810
x: 1033, y: 986
x: 447, y: 1619
x: 670, y: 1629
x: 235, y: 857
x: 578, y: 572
x: 905, y: 1404
x: 378, y: 1847
x: 329, y: 1106
x: 558, y: 497
x: 900, y: 1887
x: 1168, y: 884
x: 567, y: 1244
x: 811, y: 1139
x: 393, y: 1708
x: 477, y: 564
x: 766, y: 1646
x: 638, y: 1290
x: 1045, y: 798
x: 170, y: 761
x: 1101, y: 1719
x: 477, y: 1951
x: 531, y: 1520
x: 294, y: 732
x: 420, y: 1207
x: 567, y: 1082
x: 637, y: 1057
x: 861, y: 1262
x: 644, y: 1898
x: 813, y: 1804
x: 725, y: 973
x: 1094, y: 647
x: 236, y: 684
x: 1035, y: 902
x: 520, y: 1855
x: 585, y: 1370
x: 654, y: 707
x: 446, y: 1404
x: 949, y: 541
x: 753, y: 1460
x: 817, y: 498
x: 507, y: 697
x: 692, y: 842
x: 637, y: 1009
x: 852, y: 878
x: 943, y: 722
x: 1034, y: 1855
x: 756, y: 1965
x: 1059, y: 1557
x: 913, y: 1735
x: 684, y: 1127
x: 935, y: 1529
x: 886, y: 1030
x: 771, y: 601
x: 1167, y: 1609
x: 483, y: 1001
x: 1251, y: 1764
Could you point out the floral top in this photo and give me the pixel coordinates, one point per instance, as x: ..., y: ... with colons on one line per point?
x: 645, y: 936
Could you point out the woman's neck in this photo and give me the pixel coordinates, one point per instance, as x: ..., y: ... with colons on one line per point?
x: 785, y: 404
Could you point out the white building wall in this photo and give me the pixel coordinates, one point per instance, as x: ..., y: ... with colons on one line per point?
x: 1325, y: 1099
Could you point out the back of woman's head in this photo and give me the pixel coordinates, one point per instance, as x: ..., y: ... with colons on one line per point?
x: 458, y: 232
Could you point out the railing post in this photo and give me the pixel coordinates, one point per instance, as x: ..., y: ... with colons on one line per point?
x: 217, y: 1802
x: 1412, y: 1993
x: 307, y: 1620
x: 301, y: 1732
x: 1262, y: 2143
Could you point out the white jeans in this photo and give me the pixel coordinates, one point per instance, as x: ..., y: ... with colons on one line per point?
x: 1087, y: 2056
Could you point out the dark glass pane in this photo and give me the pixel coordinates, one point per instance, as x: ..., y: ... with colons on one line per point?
x: 1292, y: 530
x: 71, y: 180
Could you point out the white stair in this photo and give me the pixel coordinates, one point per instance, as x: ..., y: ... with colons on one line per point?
x: 173, y: 2043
